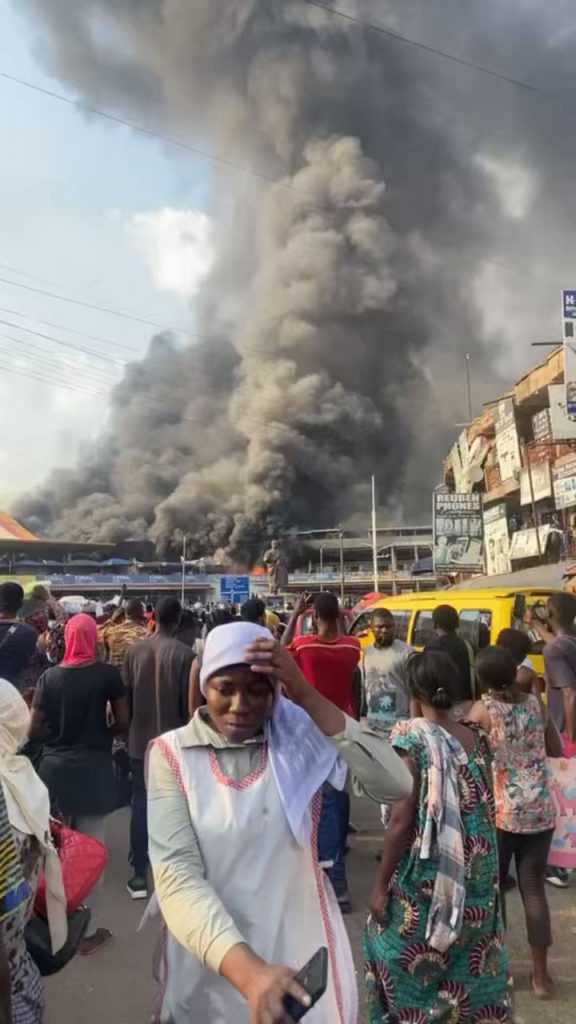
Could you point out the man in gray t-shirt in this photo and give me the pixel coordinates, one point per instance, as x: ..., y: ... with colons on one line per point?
x: 560, y: 662
x: 385, y: 674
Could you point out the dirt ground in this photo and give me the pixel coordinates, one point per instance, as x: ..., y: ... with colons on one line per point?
x: 116, y: 986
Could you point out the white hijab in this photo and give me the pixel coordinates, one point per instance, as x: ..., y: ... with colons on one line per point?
x: 28, y: 803
x: 302, y: 758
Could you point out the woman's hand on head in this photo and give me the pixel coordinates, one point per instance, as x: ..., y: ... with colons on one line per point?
x: 269, y: 658
x: 265, y: 995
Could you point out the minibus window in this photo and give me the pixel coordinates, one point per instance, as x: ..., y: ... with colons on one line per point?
x: 423, y: 632
x: 402, y: 623
x: 362, y: 624
x: 475, y: 627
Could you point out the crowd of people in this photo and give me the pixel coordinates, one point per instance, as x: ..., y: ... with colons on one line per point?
x: 241, y: 739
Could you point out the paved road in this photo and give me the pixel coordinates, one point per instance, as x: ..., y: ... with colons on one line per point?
x: 115, y: 985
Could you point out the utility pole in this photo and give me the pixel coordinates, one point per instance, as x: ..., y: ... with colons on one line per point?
x: 394, y: 568
x: 183, y: 560
x: 528, y: 465
x: 342, y: 578
x: 374, y: 535
x: 468, y: 387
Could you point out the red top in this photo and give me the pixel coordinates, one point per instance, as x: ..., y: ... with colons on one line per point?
x: 329, y: 666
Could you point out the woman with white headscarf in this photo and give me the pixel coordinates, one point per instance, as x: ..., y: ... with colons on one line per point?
x: 28, y: 806
x: 233, y: 804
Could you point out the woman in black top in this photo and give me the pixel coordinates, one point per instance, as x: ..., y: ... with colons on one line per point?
x: 70, y: 717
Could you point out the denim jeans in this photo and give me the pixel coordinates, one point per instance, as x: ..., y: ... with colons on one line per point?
x: 139, y: 820
x: 332, y: 836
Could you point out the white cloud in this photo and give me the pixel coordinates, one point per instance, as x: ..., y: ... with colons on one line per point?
x: 177, y: 246
x: 516, y: 185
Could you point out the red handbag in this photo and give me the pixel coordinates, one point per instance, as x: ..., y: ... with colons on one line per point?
x: 83, y: 860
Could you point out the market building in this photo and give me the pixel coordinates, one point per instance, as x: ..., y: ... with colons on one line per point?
x: 508, y: 499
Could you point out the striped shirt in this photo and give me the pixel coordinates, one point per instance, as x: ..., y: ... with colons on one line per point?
x: 13, y: 888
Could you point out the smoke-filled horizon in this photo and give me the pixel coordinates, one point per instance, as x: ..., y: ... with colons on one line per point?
x: 416, y: 213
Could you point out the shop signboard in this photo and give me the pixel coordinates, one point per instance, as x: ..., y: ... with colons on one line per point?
x: 131, y: 580
x: 569, y: 318
x: 564, y: 478
x: 541, y: 483
x: 234, y: 589
x: 541, y: 427
x: 524, y: 543
x: 457, y: 532
x: 507, y: 447
x: 563, y: 428
x: 496, y: 540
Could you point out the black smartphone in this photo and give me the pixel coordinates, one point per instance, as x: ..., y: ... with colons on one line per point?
x: 540, y: 612
x: 314, y: 978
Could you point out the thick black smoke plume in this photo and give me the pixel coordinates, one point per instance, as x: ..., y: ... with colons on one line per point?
x: 404, y: 216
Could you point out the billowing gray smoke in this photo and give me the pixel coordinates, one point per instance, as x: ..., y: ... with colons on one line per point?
x: 352, y: 274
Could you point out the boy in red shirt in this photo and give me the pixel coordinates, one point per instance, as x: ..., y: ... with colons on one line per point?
x: 329, y: 659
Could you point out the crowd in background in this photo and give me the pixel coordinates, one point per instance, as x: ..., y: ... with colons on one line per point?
x: 452, y: 742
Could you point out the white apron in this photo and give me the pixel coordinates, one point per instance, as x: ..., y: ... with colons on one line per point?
x: 278, y: 897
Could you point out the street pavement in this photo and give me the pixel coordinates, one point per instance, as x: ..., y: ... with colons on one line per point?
x: 115, y: 986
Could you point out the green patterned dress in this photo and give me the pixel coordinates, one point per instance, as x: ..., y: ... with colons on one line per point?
x: 407, y: 981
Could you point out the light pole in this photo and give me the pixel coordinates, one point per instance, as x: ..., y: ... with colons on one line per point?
x: 374, y: 537
x: 468, y: 386
x: 183, y: 560
x: 342, y: 581
x: 532, y: 499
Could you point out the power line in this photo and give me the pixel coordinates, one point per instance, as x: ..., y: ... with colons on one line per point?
x: 149, y: 132
x: 10, y: 368
x: 72, y: 330
x: 93, y: 305
x: 38, y: 356
x: 428, y: 48
x: 92, y: 337
x: 56, y: 284
x: 65, y: 344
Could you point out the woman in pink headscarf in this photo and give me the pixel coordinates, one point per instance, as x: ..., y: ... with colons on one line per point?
x: 69, y: 718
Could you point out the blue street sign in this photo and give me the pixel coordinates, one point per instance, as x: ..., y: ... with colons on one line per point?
x: 234, y: 589
x: 569, y: 304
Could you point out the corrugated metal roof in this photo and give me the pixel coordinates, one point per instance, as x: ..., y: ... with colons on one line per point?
x: 10, y: 529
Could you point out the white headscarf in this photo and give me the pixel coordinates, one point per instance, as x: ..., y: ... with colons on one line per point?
x: 301, y: 756
x: 28, y: 803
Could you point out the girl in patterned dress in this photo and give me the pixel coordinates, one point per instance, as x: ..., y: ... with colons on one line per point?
x: 433, y: 944
x: 521, y: 735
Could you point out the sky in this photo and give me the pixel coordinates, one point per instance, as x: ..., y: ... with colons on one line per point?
x: 94, y: 212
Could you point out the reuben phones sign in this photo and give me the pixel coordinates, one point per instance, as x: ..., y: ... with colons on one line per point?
x: 458, y: 532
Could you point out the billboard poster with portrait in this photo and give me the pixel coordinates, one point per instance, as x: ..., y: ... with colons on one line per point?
x: 496, y: 541
x: 507, y: 446
x: 458, y: 532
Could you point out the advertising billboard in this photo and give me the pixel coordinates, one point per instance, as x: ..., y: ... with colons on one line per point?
x: 524, y: 544
x: 507, y: 447
x: 563, y: 428
x: 564, y: 481
x: 568, y: 319
x: 458, y: 532
x: 541, y: 483
x: 496, y: 541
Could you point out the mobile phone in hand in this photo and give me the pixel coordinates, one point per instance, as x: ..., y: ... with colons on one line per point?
x: 539, y: 612
x: 314, y: 978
